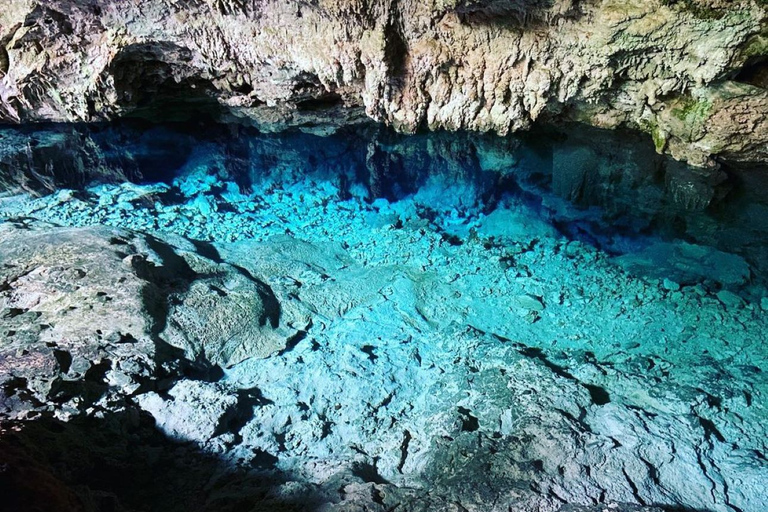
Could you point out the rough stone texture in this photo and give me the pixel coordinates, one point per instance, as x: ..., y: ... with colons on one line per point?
x: 90, y: 314
x: 86, y: 423
x: 520, y: 372
x: 690, y: 73
x: 193, y: 410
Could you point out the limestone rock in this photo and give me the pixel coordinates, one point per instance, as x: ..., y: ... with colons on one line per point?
x: 411, y: 388
x: 55, y: 282
x: 193, y: 410
x: 687, y: 264
x: 224, y: 315
x: 688, y: 73
x: 148, y: 296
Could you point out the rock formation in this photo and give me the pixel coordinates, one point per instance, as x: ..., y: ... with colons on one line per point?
x: 406, y: 368
x: 689, y: 72
x: 219, y: 342
x: 56, y: 284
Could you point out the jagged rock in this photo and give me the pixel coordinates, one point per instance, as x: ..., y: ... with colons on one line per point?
x: 54, y: 283
x: 192, y: 410
x: 151, y: 295
x: 223, y: 314
x: 688, y: 72
x: 407, y: 389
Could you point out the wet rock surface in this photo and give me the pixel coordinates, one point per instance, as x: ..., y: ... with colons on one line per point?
x: 605, y: 188
x: 689, y: 73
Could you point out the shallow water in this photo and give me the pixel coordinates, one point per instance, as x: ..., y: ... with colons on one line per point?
x: 609, y: 190
x: 556, y: 318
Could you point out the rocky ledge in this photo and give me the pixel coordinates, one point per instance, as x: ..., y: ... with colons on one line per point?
x: 691, y: 73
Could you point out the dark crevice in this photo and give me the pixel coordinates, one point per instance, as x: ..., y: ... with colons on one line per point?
x: 368, y: 473
x: 64, y: 359
x: 294, y: 340
x: 404, y: 450
x: 322, y: 102
x: 369, y: 350
x: 469, y: 423
x: 4, y: 61
x: 598, y: 394
x: 520, y: 13
x: 633, y: 488
x: 395, y: 44
x: 710, y: 430
x: 158, y: 81
x: 754, y: 72
x: 539, y: 355
x: 242, y: 413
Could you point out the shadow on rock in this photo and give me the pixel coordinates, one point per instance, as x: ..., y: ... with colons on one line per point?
x: 120, y: 462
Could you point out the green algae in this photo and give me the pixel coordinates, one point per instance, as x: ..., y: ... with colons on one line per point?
x: 699, y: 11
x: 657, y: 134
x: 692, y: 111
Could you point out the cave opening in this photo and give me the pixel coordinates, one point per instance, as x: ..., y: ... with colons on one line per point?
x: 158, y: 82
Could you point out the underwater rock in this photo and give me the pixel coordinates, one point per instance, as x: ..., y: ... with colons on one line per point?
x: 687, y: 263
x: 224, y: 314
x: 308, y: 343
x: 410, y: 382
x: 687, y: 73
x: 191, y: 410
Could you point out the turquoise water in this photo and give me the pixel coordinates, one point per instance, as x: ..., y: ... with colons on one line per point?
x: 608, y: 190
x: 560, y: 317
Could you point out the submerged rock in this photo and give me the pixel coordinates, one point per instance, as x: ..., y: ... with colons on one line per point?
x: 408, y: 369
x: 687, y: 263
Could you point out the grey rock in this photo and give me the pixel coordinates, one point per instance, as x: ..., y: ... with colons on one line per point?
x: 149, y: 295
x: 192, y: 410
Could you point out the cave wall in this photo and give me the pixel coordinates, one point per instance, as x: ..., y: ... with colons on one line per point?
x: 688, y: 72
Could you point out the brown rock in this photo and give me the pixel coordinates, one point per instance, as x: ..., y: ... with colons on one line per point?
x: 487, y: 65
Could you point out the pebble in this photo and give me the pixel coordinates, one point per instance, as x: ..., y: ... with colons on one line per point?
x: 528, y: 302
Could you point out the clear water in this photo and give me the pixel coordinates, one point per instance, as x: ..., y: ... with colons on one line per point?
x: 561, y: 317
x: 608, y: 190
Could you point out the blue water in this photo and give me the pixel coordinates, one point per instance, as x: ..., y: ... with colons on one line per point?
x: 609, y: 190
x: 553, y: 313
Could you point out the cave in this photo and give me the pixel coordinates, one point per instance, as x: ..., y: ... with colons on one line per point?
x: 754, y: 72
x: 461, y: 255
x: 158, y: 82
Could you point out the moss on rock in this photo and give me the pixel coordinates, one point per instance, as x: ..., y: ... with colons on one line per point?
x: 696, y: 8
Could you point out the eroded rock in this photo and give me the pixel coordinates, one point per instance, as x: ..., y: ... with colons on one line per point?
x: 91, y: 314
x: 671, y: 69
